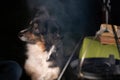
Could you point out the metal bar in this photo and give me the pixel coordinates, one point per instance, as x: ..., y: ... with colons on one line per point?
x: 116, y: 39
x: 67, y: 63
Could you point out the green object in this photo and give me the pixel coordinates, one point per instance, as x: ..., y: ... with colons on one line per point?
x: 92, y: 48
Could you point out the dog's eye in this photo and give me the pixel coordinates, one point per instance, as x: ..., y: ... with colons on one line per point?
x: 36, y: 30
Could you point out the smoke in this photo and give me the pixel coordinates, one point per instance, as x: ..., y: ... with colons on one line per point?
x: 76, y: 17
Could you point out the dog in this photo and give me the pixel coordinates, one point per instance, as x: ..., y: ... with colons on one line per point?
x: 45, y: 57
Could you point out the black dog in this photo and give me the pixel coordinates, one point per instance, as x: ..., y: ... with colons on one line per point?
x: 44, y: 46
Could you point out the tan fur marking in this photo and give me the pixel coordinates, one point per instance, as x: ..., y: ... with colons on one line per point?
x: 41, y: 45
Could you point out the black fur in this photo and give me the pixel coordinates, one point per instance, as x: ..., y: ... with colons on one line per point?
x: 43, y: 24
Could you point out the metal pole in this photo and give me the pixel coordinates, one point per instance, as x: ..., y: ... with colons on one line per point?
x: 108, y: 14
x: 67, y: 63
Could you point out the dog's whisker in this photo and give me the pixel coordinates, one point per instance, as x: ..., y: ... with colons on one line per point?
x: 51, y: 51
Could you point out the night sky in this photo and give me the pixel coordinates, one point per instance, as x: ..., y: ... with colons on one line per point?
x: 15, y: 16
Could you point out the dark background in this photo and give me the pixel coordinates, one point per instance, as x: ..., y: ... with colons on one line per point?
x: 15, y: 16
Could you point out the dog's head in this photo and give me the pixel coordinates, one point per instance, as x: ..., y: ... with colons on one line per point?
x: 43, y: 29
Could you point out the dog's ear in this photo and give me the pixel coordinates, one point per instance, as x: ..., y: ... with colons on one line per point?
x: 59, y: 31
x: 53, y: 26
x: 42, y: 14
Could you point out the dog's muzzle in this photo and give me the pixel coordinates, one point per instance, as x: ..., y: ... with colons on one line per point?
x: 21, y: 35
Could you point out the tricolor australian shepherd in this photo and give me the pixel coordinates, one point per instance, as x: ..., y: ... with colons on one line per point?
x: 45, y: 56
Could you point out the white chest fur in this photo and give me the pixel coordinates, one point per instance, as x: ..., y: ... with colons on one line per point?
x: 37, y: 65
